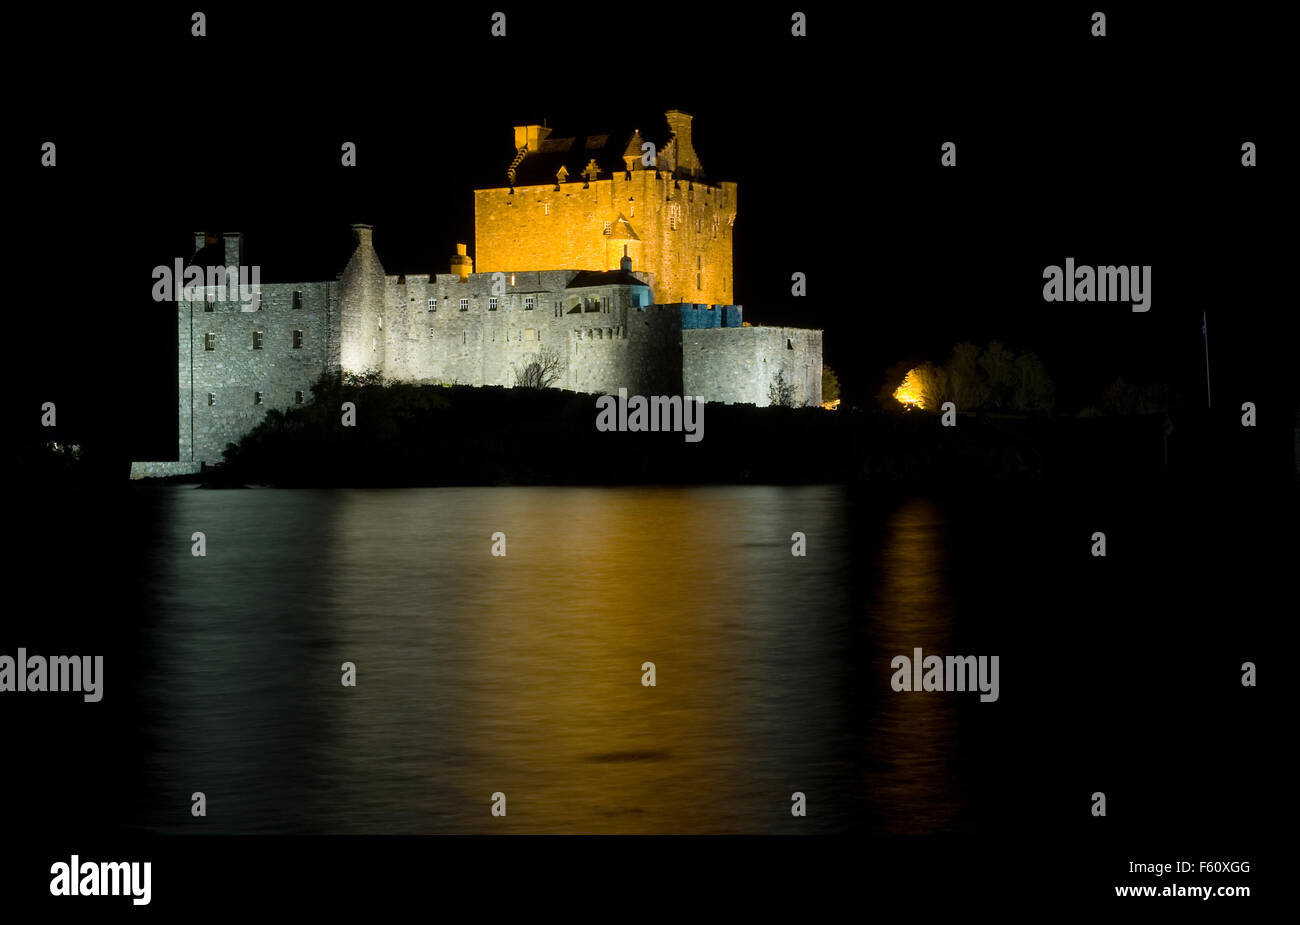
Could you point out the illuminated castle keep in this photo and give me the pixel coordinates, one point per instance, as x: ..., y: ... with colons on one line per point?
x: 619, y: 272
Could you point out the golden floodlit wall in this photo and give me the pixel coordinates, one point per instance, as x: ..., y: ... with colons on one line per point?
x: 679, y: 230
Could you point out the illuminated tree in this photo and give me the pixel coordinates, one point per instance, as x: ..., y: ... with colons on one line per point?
x: 830, y: 384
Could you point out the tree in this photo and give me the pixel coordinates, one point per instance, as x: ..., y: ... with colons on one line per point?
x: 830, y: 384
x: 1124, y: 397
x: 933, y: 381
x: 781, y: 392
x: 967, y: 386
x: 972, y: 379
x: 1034, y: 389
x: 542, y: 370
x: 999, y: 365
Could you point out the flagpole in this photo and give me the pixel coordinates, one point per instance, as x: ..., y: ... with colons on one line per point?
x: 1205, y: 337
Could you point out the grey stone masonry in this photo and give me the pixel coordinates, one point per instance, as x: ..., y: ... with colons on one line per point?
x: 604, y: 328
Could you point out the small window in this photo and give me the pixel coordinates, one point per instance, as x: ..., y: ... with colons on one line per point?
x: 297, y: 298
x: 212, y: 399
x: 209, y: 305
x: 699, y: 281
x: 257, y: 398
x: 297, y: 339
x: 698, y: 262
x: 297, y: 398
x: 546, y: 208
x: 433, y: 305
x: 209, y: 341
x: 789, y: 344
x: 609, y: 228
x: 492, y: 304
x: 528, y: 303
x: 699, y: 225
x: 512, y: 279
x: 257, y: 340
x: 464, y: 305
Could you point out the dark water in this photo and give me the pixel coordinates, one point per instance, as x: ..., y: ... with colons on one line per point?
x: 522, y: 674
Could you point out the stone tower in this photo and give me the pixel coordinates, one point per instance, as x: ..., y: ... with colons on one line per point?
x: 581, y: 202
x: 362, y: 289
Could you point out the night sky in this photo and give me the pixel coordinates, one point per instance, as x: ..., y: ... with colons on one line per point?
x: 834, y: 142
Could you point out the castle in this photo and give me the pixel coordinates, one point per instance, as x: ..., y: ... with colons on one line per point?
x: 642, y: 302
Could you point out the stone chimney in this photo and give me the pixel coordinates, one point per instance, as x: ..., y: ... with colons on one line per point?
x: 462, y: 264
x: 362, y: 291
x: 626, y: 263
x: 200, y: 240
x: 679, y: 124
x: 234, y: 244
x: 530, y: 136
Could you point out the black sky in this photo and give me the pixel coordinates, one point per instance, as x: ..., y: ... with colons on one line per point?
x: 1122, y: 150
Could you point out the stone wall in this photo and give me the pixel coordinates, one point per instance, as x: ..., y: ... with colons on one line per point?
x: 158, y: 470
x: 499, y: 330
x: 637, y: 349
x: 609, y: 337
x: 681, y: 232
x: 740, y: 364
x: 219, y: 388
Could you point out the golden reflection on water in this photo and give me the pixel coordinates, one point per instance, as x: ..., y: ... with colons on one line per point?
x: 540, y: 681
x: 521, y: 674
x: 910, y: 781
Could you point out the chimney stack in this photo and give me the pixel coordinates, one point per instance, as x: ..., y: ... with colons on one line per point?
x: 363, y: 234
x: 200, y: 240
x: 679, y: 124
x: 530, y: 136
x: 626, y: 263
x: 234, y: 243
x: 462, y: 264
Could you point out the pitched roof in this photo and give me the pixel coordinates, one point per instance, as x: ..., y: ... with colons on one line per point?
x: 622, y: 231
x: 604, y: 278
x: 574, y: 153
x: 540, y: 167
